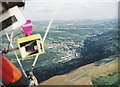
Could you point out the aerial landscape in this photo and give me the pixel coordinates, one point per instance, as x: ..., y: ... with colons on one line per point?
x: 75, y: 52
x: 82, y: 45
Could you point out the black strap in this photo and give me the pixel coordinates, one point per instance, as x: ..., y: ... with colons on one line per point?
x: 8, y: 4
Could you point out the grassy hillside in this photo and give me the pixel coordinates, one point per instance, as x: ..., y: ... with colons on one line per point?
x: 104, y: 74
x: 68, y: 46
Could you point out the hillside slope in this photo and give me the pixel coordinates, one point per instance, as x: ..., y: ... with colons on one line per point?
x: 94, y: 49
x: 107, y: 74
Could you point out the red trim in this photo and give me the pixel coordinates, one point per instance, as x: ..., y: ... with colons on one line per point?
x: 9, y: 72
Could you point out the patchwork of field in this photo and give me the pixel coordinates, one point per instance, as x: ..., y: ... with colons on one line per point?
x: 105, y: 74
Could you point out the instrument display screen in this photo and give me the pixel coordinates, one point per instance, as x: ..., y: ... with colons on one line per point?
x: 9, y: 21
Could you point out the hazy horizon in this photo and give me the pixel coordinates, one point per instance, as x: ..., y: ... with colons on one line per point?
x: 71, y: 10
x: 82, y: 19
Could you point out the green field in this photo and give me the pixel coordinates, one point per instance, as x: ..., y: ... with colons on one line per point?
x: 105, y: 74
x: 70, y: 47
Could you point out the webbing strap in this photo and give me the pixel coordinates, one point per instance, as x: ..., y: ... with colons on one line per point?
x: 16, y: 56
x: 48, y: 28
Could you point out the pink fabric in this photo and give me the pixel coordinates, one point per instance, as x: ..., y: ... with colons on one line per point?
x: 27, y: 28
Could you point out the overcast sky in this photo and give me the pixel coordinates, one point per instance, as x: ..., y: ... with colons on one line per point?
x: 71, y: 9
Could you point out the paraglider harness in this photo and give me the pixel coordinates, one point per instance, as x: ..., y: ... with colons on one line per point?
x: 11, y: 19
x: 32, y: 78
x: 27, y: 29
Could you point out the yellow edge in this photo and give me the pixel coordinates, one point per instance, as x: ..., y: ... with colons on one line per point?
x: 33, y: 37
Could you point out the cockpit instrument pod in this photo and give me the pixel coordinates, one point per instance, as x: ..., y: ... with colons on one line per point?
x: 30, y: 45
x: 11, y: 20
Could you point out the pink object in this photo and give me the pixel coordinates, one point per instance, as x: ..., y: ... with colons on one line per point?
x: 27, y: 28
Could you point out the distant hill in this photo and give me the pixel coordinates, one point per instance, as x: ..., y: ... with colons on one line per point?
x: 105, y: 74
x: 100, y: 46
x: 68, y: 46
x: 95, y: 48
